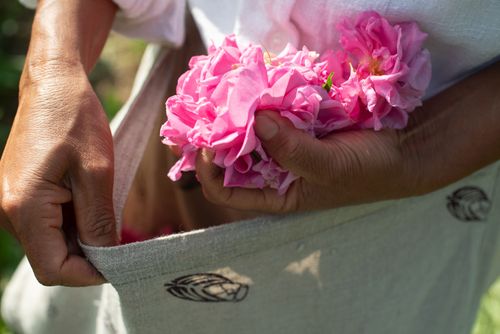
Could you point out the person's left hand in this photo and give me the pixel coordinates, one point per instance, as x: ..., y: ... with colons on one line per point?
x: 341, y: 169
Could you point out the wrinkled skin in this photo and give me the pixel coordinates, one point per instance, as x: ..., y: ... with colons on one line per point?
x: 444, y: 142
x: 58, y: 161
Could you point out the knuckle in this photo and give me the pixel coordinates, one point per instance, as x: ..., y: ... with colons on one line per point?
x: 13, y: 204
x: 226, y: 196
x: 211, y: 196
x: 279, y: 207
x: 46, y: 278
x: 10, y: 205
x: 102, y: 225
x: 101, y: 169
x: 292, y: 199
x: 217, y: 196
x: 290, y: 148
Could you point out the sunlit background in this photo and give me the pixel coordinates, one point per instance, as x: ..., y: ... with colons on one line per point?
x: 112, y: 79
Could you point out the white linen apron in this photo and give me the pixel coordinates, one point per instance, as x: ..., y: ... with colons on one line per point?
x: 415, y: 265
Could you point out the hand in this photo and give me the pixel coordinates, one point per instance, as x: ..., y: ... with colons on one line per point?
x: 59, y: 154
x: 343, y: 168
x: 56, y: 171
x: 444, y: 141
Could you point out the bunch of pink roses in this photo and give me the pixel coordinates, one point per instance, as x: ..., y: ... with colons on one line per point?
x: 374, y: 82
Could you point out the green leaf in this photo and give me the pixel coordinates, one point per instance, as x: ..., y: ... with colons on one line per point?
x: 329, y: 83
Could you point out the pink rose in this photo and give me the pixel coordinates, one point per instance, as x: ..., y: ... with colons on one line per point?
x: 374, y: 83
x: 392, y: 69
x: 216, y: 103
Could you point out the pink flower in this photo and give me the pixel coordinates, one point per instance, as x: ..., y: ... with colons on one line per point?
x: 303, y: 61
x: 292, y: 96
x: 392, y: 69
x: 206, y: 71
x: 188, y: 125
x: 216, y: 103
x: 333, y: 71
x: 374, y: 83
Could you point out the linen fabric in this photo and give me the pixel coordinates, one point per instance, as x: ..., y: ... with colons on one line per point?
x: 406, y: 266
x: 416, y: 265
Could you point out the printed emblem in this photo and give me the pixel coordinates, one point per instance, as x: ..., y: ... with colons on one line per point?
x: 469, y: 204
x: 207, y: 287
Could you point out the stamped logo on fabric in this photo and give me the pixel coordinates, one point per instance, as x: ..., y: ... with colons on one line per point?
x: 469, y: 204
x: 207, y: 287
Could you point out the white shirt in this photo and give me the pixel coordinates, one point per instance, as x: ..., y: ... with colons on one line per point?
x: 463, y: 35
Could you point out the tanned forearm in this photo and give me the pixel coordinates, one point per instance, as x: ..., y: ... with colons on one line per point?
x: 67, y: 35
x: 60, y: 150
x: 457, y: 132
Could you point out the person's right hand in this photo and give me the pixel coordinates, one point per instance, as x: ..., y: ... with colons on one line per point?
x: 444, y: 141
x: 56, y: 172
x: 58, y: 162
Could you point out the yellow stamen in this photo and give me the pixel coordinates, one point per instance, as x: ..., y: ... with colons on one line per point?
x: 374, y: 67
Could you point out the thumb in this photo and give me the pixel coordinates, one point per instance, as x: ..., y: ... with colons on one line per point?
x: 93, y: 205
x: 293, y: 149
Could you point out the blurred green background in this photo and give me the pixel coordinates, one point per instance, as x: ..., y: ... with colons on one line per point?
x: 112, y: 79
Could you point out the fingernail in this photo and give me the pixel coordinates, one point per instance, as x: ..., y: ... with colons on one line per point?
x: 207, y: 155
x: 265, y: 127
